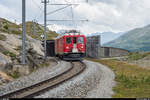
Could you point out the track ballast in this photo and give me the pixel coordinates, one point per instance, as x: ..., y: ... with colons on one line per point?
x: 36, y: 89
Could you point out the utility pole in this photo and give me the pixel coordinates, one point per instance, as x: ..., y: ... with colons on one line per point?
x: 34, y: 26
x: 15, y: 21
x: 23, y: 32
x: 45, y: 25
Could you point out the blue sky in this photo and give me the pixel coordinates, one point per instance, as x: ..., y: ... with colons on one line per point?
x: 103, y: 15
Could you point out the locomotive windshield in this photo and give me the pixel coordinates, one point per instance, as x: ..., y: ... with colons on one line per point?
x: 80, y: 40
x: 74, y: 40
x: 68, y: 40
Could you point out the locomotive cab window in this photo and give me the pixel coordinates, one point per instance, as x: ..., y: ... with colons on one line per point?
x: 74, y: 40
x: 80, y: 40
x: 68, y: 40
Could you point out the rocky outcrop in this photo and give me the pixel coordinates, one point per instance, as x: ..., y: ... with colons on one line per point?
x: 33, y: 61
x: 10, y: 54
x: 11, y: 45
x: 36, y: 45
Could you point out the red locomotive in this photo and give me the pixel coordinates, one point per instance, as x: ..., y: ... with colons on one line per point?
x: 70, y: 45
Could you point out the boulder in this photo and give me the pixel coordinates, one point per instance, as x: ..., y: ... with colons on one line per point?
x: 5, y: 59
x: 22, y: 69
x: 36, y: 45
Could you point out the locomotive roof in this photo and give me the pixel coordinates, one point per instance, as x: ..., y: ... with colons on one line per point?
x: 69, y: 32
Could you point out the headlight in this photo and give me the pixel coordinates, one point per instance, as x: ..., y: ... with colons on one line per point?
x: 81, y: 46
x: 67, y: 47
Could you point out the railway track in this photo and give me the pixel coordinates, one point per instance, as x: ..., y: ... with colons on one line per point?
x: 36, y: 89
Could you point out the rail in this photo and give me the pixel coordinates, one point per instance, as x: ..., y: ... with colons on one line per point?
x: 38, y: 88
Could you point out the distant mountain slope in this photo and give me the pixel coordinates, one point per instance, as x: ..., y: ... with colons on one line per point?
x: 108, y: 36
x: 134, y: 40
x: 12, y: 28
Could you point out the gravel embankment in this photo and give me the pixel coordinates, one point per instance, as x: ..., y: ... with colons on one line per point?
x: 95, y: 82
x: 35, y: 77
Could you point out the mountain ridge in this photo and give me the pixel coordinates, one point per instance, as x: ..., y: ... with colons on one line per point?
x: 13, y: 28
x: 137, y: 39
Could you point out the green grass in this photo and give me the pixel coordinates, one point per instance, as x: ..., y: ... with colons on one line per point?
x: 17, y: 32
x: 8, y: 53
x: 12, y: 28
x: 39, y: 31
x: 18, y: 48
x: 45, y: 64
x: 137, y: 56
x: 2, y: 37
x: 9, y: 27
x: 14, y: 74
x: 6, y: 26
x: 132, y: 81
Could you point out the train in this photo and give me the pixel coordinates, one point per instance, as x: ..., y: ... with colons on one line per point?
x: 69, y: 45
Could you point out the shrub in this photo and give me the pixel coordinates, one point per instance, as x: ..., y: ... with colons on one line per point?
x: 135, y: 56
x: 12, y: 54
x: 18, y: 48
x: 8, y: 53
x: 17, y: 32
x: 46, y: 64
x: 2, y: 37
x: 6, y: 26
x: 14, y: 74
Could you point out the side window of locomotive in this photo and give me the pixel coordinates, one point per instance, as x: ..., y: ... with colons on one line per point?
x: 68, y: 40
x: 74, y: 40
x: 80, y: 40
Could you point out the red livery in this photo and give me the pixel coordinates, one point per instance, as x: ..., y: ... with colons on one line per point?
x: 70, y: 45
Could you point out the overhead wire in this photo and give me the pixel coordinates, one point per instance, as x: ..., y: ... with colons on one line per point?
x: 37, y: 5
x: 58, y: 9
x: 37, y: 16
x: 73, y: 21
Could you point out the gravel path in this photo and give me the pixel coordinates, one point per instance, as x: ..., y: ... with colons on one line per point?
x: 35, y: 77
x: 106, y: 83
x: 95, y: 82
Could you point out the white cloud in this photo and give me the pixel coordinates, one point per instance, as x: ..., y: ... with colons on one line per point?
x: 103, y: 15
x: 116, y: 15
x: 7, y: 13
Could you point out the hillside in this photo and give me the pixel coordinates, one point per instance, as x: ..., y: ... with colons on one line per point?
x: 12, y: 28
x: 9, y: 27
x: 10, y: 50
x: 39, y: 30
x: 134, y: 40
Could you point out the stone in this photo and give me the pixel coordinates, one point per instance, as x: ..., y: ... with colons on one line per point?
x: 22, y: 69
x: 15, y: 61
x: 8, y: 67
